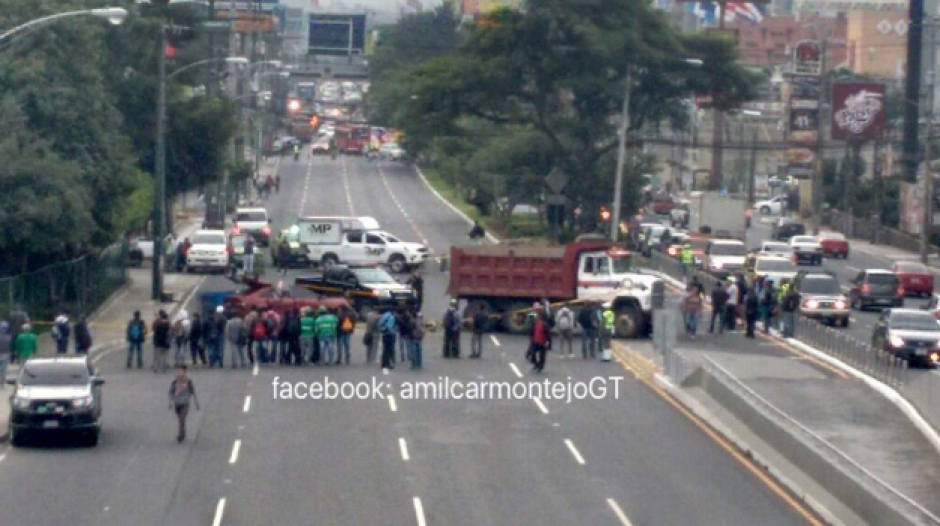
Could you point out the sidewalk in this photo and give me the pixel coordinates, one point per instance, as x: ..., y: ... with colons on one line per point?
x: 843, y: 412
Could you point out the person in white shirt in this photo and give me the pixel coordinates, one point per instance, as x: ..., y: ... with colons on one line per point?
x: 734, y: 300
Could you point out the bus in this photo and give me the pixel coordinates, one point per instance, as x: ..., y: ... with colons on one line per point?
x: 352, y: 139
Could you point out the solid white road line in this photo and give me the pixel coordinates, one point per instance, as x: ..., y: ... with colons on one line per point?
x: 404, y: 449
x: 419, y: 512
x: 515, y: 369
x: 219, y: 510
x: 495, y: 341
x: 236, y: 447
x: 391, y: 403
x: 538, y: 402
x: 254, y: 371
x: 624, y: 520
x: 247, y: 404
x: 574, y: 451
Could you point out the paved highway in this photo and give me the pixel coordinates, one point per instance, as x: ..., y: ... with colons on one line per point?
x: 254, y: 459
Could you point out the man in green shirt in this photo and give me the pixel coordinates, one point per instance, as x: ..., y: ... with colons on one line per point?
x: 325, y: 327
x: 307, y: 334
x: 25, y: 345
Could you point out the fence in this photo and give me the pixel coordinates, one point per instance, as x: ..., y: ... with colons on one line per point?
x: 869, y: 229
x: 78, y: 286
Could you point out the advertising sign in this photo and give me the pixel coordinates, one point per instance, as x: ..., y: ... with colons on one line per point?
x: 807, y: 58
x: 337, y: 34
x: 802, y: 124
x: 858, y: 110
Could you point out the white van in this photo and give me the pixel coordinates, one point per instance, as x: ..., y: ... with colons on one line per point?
x: 356, y: 241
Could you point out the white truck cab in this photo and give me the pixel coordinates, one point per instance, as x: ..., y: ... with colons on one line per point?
x: 357, y: 241
x: 604, y: 272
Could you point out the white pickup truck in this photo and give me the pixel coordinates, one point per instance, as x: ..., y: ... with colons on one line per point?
x: 357, y: 241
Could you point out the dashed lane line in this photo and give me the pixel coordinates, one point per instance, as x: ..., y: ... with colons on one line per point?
x: 403, y: 446
x: 349, y: 201
x: 219, y: 511
x: 538, y: 402
x: 574, y: 451
x: 236, y: 448
x: 515, y: 369
x: 624, y: 520
x: 255, y: 369
x: 411, y: 222
x: 495, y: 340
x: 306, y: 191
x: 247, y: 405
x: 419, y: 512
x: 391, y: 403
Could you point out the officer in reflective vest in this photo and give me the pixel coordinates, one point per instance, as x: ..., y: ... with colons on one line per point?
x: 608, y: 333
x: 783, y: 290
x: 687, y: 258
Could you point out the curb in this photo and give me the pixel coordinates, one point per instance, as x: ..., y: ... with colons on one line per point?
x: 490, y: 237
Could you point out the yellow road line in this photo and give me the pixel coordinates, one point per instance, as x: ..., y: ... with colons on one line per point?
x: 638, y: 365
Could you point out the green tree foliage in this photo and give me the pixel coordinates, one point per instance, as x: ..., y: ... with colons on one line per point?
x: 550, y: 82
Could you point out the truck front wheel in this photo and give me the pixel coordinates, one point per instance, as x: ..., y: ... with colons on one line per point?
x: 629, y: 324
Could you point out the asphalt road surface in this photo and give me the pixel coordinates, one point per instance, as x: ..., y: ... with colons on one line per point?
x: 255, y: 459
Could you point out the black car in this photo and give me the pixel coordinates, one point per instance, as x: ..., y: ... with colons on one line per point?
x: 56, y: 395
x: 785, y: 228
x: 873, y: 287
x: 363, y: 287
x: 913, y: 335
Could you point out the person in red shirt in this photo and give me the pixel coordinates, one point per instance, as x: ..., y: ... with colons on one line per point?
x: 540, y: 341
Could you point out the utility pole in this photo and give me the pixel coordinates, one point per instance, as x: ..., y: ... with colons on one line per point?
x: 715, y: 181
x: 752, y: 168
x: 915, y: 40
x: 816, y: 182
x: 159, y: 194
x: 928, y: 157
x: 621, y: 158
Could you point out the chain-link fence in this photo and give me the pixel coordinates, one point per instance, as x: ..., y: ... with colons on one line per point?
x: 78, y: 286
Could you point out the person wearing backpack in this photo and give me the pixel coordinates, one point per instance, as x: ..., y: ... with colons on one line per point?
x: 237, y: 336
x: 452, y: 331
x: 161, y: 342
x: 480, y: 321
x: 416, y: 340
x: 136, y: 332
x: 387, y: 327
x: 258, y: 335
x: 181, y: 327
x: 347, y: 325
x: 181, y: 392
x: 564, y: 320
x: 326, y: 334
x: 586, y: 319
x: 60, y: 333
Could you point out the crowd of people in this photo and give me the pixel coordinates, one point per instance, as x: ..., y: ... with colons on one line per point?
x: 735, y: 302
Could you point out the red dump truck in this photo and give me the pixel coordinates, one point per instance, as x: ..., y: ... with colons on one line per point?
x: 506, y: 279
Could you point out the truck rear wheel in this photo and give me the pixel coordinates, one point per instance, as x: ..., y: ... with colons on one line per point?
x: 328, y: 261
x: 629, y: 324
x: 516, y: 321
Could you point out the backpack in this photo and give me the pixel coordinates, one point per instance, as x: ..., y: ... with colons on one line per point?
x: 347, y: 325
x: 564, y: 321
x: 417, y: 331
x: 135, y: 333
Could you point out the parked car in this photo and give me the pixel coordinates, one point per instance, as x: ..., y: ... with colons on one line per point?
x: 833, y: 244
x: 911, y: 334
x: 777, y: 248
x: 56, y: 395
x: 821, y: 297
x: 915, y: 277
x: 874, y: 287
x: 663, y: 204
x: 806, y: 249
x: 785, y: 228
x: 773, y: 268
x: 773, y: 206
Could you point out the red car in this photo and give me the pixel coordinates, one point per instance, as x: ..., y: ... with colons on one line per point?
x: 263, y: 296
x: 915, y: 277
x: 663, y: 204
x: 833, y: 244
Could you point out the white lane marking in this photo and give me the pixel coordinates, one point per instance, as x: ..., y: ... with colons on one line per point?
x: 349, y: 201
x: 411, y: 222
x: 247, y: 404
x: 515, y: 369
x: 419, y: 512
x: 219, y: 510
x: 303, y: 195
x: 254, y: 370
x: 236, y: 447
x: 495, y: 341
x: 538, y: 402
x: 619, y: 512
x: 853, y: 269
x: 404, y: 449
x: 574, y: 451
x: 4, y: 454
x: 391, y: 403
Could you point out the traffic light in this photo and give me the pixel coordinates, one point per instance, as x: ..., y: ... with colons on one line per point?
x: 605, y: 214
x: 314, y: 120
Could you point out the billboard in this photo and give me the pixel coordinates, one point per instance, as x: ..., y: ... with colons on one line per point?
x: 802, y: 124
x: 336, y: 34
x: 247, y: 21
x: 807, y: 58
x: 858, y: 110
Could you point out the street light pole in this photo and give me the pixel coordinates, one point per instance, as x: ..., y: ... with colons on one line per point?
x: 621, y: 159
x: 159, y: 191
x: 114, y: 15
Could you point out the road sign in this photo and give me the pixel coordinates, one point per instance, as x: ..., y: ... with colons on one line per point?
x: 556, y: 180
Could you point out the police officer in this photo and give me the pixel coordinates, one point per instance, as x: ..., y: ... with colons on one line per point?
x: 687, y: 258
x: 608, y: 332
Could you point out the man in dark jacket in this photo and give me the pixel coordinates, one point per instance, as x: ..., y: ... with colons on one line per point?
x: 719, y: 304
x: 136, y: 334
x: 452, y: 323
x: 751, y: 312
x: 480, y: 320
x: 214, y: 333
x: 83, y: 340
x: 540, y: 341
x: 197, y: 345
x: 788, y: 308
x: 416, y: 282
x: 587, y: 319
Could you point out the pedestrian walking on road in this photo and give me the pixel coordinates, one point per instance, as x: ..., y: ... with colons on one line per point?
x: 719, y: 302
x: 416, y: 282
x: 307, y: 335
x: 347, y: 325
x: 136, y: 334
x: 182, y: 392
x: 61, y: 333
x: 25, y: 344
x: 277, y: 179
x: 480, y: 320
x: 731, y: 305
x: 691, y: 304
x: 161, y: 342
x: 587, y: 319
x: 326, y: 334
x: 372, y: 336
x: 214, y: 331
x: 564, y: 321
x: 283, y: 255
x: 237, y: 336
x: 387, y: 327
x: 452, y: 323
x: 181, y: 328
x: 197, y: 342
x: 6, y: 348
x: 768, y: 305
x: 248, y: 259
x: 417, y: 342
x: 751, y: 312
x: 540, y: 341
x: 83, y: 340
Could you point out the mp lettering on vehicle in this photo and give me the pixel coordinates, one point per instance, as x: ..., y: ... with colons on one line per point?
x: 375, y: 251
x: 321, y: 228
